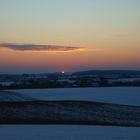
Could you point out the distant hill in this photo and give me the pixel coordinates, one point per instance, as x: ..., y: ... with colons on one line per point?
x: 108, y: 72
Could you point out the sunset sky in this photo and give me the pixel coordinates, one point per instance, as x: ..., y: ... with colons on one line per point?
x: 69, y: 35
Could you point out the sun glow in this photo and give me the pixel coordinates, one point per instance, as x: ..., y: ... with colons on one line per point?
x: 62, y: 72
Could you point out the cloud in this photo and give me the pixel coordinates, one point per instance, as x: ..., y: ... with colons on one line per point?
x: 39, y: 48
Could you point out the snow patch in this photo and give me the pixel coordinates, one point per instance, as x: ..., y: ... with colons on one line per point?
x: 13, y: 96
x: 117, y: 95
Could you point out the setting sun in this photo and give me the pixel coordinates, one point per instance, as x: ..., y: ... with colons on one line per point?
x: 63, y: 72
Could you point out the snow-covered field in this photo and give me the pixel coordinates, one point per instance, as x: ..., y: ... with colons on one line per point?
x: 13, y: 96
x: 118, y: 95
x: 128, y: 96
x: 67, y: 132
x: 124, y: 80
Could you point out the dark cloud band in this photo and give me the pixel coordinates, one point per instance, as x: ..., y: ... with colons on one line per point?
x: 32, y: 47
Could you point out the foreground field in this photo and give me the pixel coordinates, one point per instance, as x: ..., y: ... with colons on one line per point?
x: 67, y: 132
x: 68, y: 112
x: 126, y: 96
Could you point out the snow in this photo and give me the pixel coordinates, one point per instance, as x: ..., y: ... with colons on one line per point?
x: 117, y: 95
x: 67, y: 132
x: 120, y: 95
x: 13, y: 96
x: 7, y: 83
x: 124, y: 80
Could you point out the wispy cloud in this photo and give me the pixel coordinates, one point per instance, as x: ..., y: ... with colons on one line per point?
x: 39, y: 48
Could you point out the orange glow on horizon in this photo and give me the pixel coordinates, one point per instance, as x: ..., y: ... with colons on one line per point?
x: 82, y: 58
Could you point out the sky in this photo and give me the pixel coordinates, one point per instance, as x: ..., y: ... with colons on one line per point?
x: 69, y: 35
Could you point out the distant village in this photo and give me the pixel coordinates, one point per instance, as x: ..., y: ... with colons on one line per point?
x: 67, y: 80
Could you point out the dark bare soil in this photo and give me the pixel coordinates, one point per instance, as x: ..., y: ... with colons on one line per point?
x: 68, y: 112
